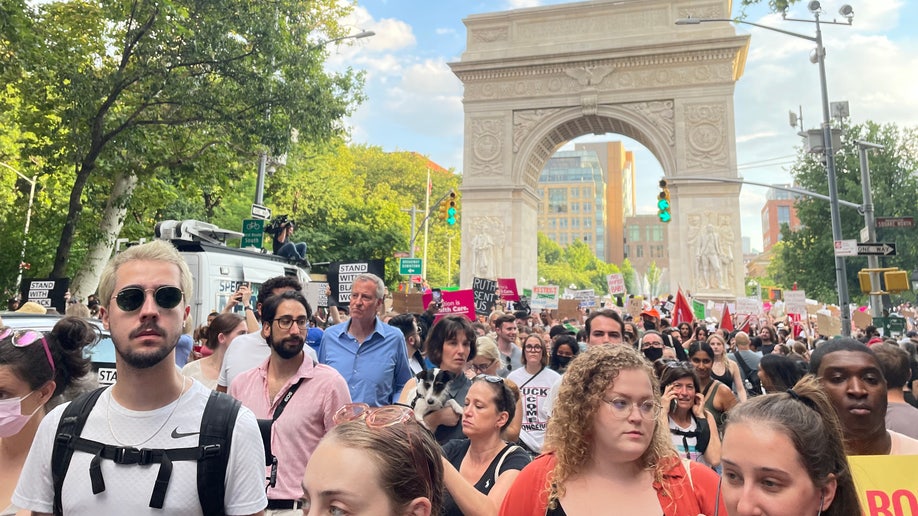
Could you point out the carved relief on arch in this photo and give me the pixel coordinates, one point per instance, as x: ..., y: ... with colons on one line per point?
x: 711, y: 239
x: 660, y: 114
x: 491, y: 34
x: 706, y: 136
x: 487, y: 146
x: 525, y: 121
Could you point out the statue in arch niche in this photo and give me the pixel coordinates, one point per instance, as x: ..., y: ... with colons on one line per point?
x: 713, y: 253
x: 486, y: 251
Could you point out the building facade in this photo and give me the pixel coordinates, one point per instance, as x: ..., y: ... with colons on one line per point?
x: 619, y: 172
x: 777, y: 211
x: 646, y: 243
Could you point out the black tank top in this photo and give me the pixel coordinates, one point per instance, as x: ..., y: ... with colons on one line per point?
x: 726, y: 378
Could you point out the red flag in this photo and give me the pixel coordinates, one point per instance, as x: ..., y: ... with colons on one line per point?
x: 726, y: 322
x: 682, y: 312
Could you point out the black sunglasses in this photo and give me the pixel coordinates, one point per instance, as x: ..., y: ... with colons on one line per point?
x: 130, y: 299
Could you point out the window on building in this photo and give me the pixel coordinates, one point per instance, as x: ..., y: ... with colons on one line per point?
x: 587, y: 238
x: 557, y: 200
x: 587, y: 207
x: 552, y: 223
x: 587, y: 222
x: 656, y: 233
x: 634, y: 233
x: 575, y: 207
x: 575, y: 223
x: 783, y: 215
x: 639, y: 251
x: 562, y: 223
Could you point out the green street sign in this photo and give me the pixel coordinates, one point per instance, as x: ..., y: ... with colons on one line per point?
x: 253, y: 233
x: 892, y: 325
x: 409, y: 266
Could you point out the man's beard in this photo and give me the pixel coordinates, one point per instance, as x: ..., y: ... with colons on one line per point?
x: 145, y: 360
x: 288, y: 347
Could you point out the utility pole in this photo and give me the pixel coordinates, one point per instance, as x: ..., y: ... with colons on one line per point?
x: 412, y: 235
x: 873, y: 262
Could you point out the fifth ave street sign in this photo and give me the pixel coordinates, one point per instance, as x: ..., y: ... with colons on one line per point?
x: 877, y: 249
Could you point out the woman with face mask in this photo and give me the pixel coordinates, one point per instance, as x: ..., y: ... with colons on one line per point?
x: 563, y: 350
x: 34, y: 369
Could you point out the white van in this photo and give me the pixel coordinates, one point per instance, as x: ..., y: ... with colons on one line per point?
x: 217, y: 269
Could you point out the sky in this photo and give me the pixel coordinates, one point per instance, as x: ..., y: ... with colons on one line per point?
x: 415, y: 102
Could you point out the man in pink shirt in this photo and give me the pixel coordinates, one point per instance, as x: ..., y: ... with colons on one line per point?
x: 307, y: 393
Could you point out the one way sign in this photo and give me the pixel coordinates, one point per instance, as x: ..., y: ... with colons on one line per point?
x: 877, y: 249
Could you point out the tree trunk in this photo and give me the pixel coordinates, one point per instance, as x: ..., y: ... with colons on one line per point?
x: 87, y: 278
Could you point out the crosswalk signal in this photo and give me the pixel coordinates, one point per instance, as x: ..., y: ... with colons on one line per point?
x: 452, y: 210
x: 664, y: 204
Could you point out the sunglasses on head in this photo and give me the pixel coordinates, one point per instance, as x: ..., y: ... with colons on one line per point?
x: 24, y: 338
x: 130, y: 299
x: 489, y: 378
x: 374, y: 417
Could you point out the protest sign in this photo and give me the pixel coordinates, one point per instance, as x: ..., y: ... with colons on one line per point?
x: 315, y: 294
x: 748, y: 306
x: 569, y: 309
x: 507, y: 289
x: 457, y: 302
x: 484, y: 294
x: 341, y: 276
x: 795, y: 301
x: 544, y: 297
x: 48, y: 292
x: 616, y: 283
x: 886, y: 484
x: 635, y: 306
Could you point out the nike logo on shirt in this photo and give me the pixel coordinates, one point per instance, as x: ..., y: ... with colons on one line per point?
x: 178, y: 435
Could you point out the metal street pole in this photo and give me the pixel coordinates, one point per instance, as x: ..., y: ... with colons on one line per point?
x: 873, y: 262
x: 28, y: 220
x: 841, y: 274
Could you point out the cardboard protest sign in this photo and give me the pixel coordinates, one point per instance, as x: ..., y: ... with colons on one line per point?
x: 507, y: 289
x: 341, y: 276
x: 828, y: 324
x: 568, y: 309
x: 315, y: 294
x: 457, y: 302
x: 861, y: 319
x: 795, y: 301
x: 886, y: 484
x: 409, y: 303
x: 616, y: 283
x: 544, y: 297
x: 485, y: 295
x: 635, y: 306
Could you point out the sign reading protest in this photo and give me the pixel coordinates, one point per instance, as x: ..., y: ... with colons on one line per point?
x: 544, y: 297
x: 48, y: 292
x: 484, y: 294
x: 456, y: 302
x: 341, y: 276
x: 886, y: 484
x: 616, y: 284
x: 508, y: 290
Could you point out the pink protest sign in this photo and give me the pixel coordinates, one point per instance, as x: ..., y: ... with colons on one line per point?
x: 458, y: 302
x: 507, y: 289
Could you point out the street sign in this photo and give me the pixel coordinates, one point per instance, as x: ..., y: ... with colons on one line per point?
x: 261, y: 212
x: 409, y: 266
x: 895, y: 222
x: 253, y: 233
x: 865, y: 235
x: 877, y: 249
x: 846, y: 248
x: 891, y: 325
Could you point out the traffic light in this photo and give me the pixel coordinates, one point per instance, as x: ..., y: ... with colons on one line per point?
x: 664, y: 205
x: 444, y: 208
x: 452, y: 211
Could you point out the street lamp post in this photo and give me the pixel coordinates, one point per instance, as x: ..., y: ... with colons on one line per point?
x: 263, y: 155
x: 28, y: 220
x: 873, y: 262
x: 841, y: 274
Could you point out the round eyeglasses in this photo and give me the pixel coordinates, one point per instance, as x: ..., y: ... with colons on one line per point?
x: 130, y: 299
x: 622, y: 408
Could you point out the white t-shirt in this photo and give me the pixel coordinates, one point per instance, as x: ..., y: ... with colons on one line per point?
x: 534, y: 396
x: 128, y: 487
x: 248, y: 352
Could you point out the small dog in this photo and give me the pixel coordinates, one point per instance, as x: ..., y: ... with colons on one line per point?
x: 431, y: 394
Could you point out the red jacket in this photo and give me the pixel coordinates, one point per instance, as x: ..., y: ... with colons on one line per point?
x: 528, y: 496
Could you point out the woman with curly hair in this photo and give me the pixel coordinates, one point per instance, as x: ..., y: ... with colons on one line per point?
x: 605, y: 447
x: 783, y: 455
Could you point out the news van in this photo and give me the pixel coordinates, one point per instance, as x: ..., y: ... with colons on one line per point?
x: 218, y: 270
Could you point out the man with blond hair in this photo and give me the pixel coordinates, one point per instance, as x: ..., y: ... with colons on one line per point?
x: 149, y: 413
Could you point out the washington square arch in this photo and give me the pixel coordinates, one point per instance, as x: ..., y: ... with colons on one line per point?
x: 537, y: 78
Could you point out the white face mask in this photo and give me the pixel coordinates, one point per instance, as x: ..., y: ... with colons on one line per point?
x: 11, y: 417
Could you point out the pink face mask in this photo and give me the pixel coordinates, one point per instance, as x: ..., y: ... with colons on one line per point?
x: 11, y: 417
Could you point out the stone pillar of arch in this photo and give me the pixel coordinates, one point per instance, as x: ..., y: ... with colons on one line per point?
x: 537, y: 78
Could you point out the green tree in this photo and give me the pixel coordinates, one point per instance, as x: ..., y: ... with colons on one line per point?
x: 126, y: 77
x: 806, y: 255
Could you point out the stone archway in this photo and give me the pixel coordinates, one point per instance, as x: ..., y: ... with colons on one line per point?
x: 537, y: 78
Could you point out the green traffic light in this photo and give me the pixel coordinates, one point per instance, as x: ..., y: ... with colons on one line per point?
x: 663, y: 204
x: 665, y: 216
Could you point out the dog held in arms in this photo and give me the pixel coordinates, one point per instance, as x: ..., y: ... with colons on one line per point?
x: 431, y: 394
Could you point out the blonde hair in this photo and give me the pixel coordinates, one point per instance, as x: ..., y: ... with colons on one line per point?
x: 155, y: 251
x: 487, y: 348
x: 570, y: 430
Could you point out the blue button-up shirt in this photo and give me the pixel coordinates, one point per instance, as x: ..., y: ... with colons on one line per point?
x: 375, y: 370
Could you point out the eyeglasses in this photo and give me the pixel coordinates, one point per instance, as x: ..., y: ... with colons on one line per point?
x: 377, y: 417
x: 286, y: 322
x: 621, y: 408
x: 480, y: 368
x: 24, y: 338
x: 130, y: 299
x: 489, y: 378
x: 533, y: 348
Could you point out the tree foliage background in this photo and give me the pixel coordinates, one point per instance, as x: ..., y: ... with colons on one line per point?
x: 577, y: 265
x: 806, y: 256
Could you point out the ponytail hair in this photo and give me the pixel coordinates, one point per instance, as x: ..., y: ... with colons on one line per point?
x: 806, y: 416
x: 65, y: 344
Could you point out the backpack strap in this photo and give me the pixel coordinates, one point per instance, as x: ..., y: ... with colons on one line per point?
x: 68, y: 428
x: 216, y: 431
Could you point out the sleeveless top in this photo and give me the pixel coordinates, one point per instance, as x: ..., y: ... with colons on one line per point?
x: 726, y: 378
x: 709, y: 404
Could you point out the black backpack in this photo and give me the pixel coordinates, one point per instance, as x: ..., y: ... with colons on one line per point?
x: 750, y: 377
x: 211, y: 453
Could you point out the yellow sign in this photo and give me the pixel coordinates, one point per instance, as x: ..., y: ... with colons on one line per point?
x: 886, y: 484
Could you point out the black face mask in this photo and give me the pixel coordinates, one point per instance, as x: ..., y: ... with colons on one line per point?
x: 652, y: 353
x: 650, y: 325
x: 563, y: 361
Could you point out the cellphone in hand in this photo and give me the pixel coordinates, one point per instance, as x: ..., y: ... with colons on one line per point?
x: 437, y: 296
